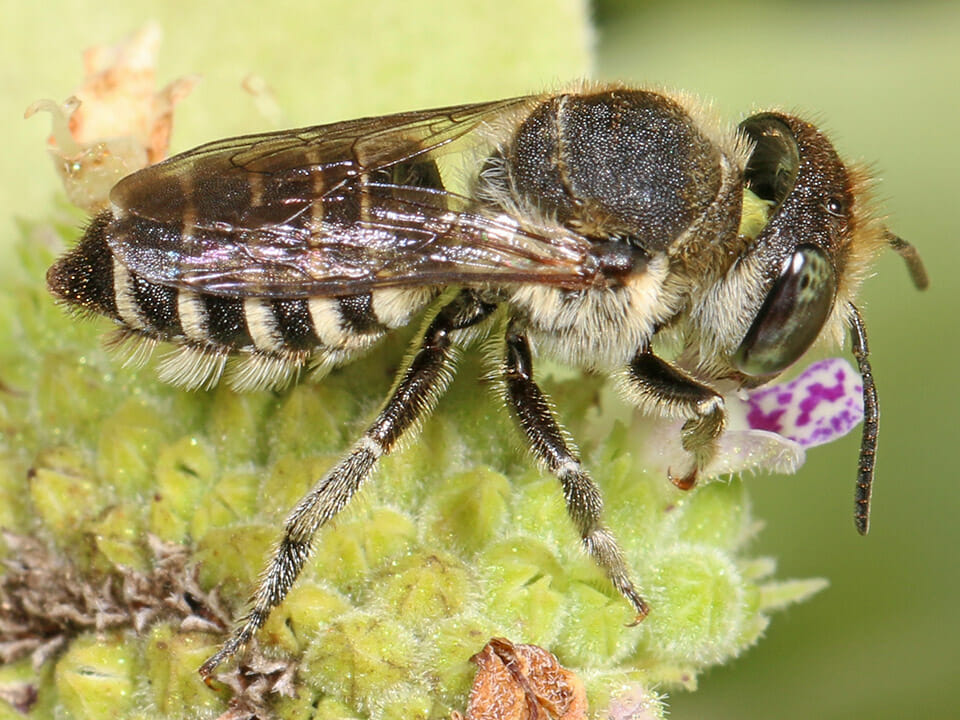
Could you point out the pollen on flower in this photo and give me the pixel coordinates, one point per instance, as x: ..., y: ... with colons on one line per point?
x: 115, y: 122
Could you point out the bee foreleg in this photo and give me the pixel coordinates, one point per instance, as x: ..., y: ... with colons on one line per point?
x: 414, y: 394
x: 658, y: 386
x: 582, y: 496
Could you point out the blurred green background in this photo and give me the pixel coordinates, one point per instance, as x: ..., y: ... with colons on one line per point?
x: 883, y: 77
x: 883, y: 641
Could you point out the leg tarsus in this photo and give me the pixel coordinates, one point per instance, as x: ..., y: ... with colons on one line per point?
x: 657, y: 385
x: 684, y: 482
x: 583, y: 500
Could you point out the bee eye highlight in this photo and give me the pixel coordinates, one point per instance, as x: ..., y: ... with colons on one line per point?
x: 792, y: 315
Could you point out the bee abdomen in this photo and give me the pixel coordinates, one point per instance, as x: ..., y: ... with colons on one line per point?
x: 273, y: 338
x: 83, y: 278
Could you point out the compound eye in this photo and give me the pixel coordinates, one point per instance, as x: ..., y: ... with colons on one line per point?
x: 792, y: 315
x: 771, y: 171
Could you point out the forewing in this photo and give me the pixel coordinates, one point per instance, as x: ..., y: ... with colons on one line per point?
x: 309, y: 213
x: 410, y: 236
x: 226, y: 181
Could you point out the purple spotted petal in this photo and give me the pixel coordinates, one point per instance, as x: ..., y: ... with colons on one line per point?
x: 822, y: 404
x: 770, y: 428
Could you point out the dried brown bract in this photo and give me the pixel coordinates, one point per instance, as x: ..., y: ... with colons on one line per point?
x: 253, y: 681
x: 523, y: 682
x: 45, y: 600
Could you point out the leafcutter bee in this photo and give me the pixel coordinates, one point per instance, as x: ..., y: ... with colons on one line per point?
x: 592, y: 221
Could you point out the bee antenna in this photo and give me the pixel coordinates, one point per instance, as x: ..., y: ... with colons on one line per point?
x: 871, y: 421
x: 918, y: 273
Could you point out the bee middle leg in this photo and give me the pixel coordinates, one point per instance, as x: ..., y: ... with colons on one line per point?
x: 546, y: 438
x: 416, y: 391
x: 656, y: 384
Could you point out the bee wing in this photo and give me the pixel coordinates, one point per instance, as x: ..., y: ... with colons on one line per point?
x: 316, y: 212
x: 331, y: 154
x: 410, y: 236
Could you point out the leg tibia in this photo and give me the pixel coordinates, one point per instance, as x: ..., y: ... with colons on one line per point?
x: 419, y: 386
x: 583, y: 500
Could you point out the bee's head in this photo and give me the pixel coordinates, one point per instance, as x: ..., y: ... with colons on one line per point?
x: 807, y: 262
x: 816, y: 247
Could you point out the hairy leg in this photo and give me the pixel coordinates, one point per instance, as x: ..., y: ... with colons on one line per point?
x: 419, y: 386
x: 584, y: 503
x: 657, y: 386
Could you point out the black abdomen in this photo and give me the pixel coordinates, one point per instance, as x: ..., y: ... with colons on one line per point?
x: 275, y: 337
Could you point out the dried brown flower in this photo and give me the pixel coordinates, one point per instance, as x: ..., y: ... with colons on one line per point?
x: 523, y: 682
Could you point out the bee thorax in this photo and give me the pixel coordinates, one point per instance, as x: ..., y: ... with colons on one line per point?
x: 598, y: 328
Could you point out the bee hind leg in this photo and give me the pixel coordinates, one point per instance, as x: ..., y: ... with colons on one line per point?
x: 414, y: 395
x: 546, y: 438
x: 657, y: 386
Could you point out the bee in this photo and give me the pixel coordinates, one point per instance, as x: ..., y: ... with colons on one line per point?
x: 587, y: 225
